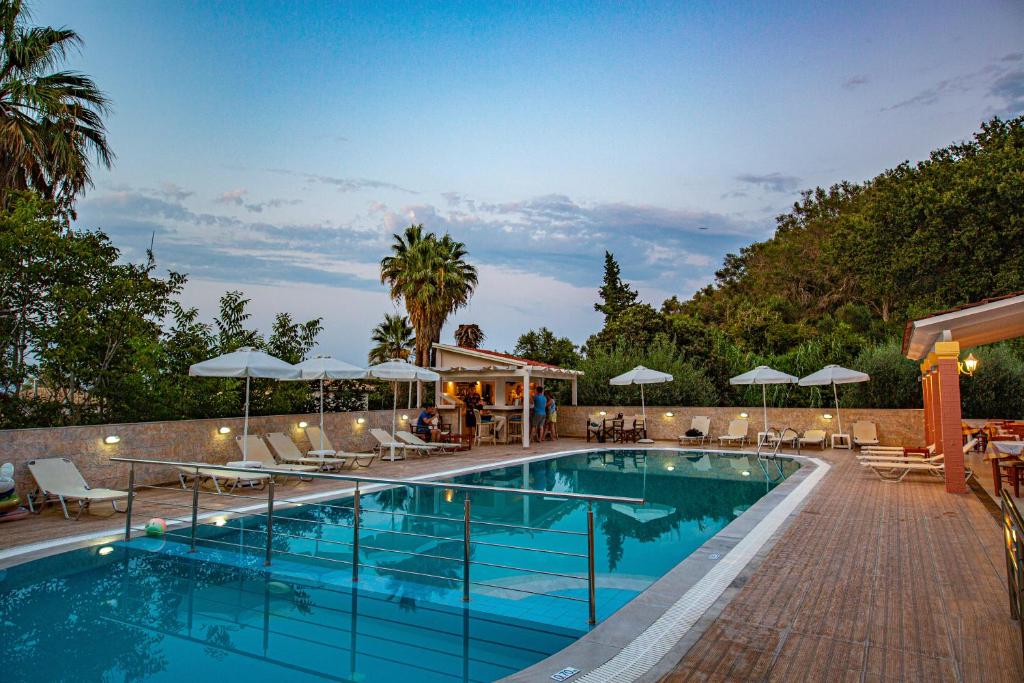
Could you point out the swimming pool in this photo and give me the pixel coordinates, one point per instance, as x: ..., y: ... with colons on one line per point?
x: 148, y: 610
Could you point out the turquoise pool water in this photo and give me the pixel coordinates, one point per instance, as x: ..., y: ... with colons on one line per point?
x: 149, y: 610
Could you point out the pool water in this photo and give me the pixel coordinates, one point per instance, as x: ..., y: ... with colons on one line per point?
x: 149, y: 610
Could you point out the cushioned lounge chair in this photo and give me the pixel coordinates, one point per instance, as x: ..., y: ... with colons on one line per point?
x: 700, y: 423
x: 864, y: 434
x: 813, y: 437
x: 435, y: 446
x: 394, y: 448
x: 895, y: 470
x: 255, y: 478
x: 58, y: 479
x: 738, y: 430
x: 286, y: 451
x: 258, y: 452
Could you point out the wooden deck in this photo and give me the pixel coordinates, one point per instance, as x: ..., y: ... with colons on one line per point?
x: 870, y: 582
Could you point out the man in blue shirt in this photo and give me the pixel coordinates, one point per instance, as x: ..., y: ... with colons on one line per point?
x: 540, y: 414
x: 423, y: 423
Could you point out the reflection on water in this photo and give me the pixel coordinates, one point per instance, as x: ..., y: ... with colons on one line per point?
x: 150, y: 611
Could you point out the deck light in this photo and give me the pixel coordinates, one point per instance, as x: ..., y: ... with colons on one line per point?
x: 744, y: 415
x: 360, y: 420
x: 671, y: 468
x: 224, y: 430
x: 826, y: 416
x: 112, y: 439
x: 670, y: 414
x: 220, y: 521
x: 745, y: 473
x: 106, y: 550
x: 303, y: 424
x: 968, y: 365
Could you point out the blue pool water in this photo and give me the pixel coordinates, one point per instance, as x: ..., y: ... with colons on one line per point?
x: 149, y: 610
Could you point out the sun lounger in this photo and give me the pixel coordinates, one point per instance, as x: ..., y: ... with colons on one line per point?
x: 217, y: 477
x: 286, y: 450
x: 258, y: 452
x: 813, y: 437
x: 864, y: 434
x: 787, y: 436
x: 702, y: 424
x: 738, y: 430
x: 396, y: 449
x: 436, y: 446
x: 895, y: 470
x: 329, y: 451
x: 895, y: 453
x: 58, y: 479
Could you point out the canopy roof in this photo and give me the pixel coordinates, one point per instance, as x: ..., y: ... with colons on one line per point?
x: 986, y: 322
x: 763, y: 374
x: 498, y: 365
x: 245, y: 362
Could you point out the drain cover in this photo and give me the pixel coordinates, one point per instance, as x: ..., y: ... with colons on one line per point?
x: 715, y: 556
x: 564, y: 674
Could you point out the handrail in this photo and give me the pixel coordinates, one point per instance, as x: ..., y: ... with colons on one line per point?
x: 1013, y: 536
x: 778, y: 441
x: 467, y: 541
x: 389, y: 482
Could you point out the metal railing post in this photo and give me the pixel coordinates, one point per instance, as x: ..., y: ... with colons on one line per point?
x: 591, y: 597
x: 195, y: 509
x: 128, y: 509
x: 355, y: 535
x: 270, y: 521
x: 465, y: 549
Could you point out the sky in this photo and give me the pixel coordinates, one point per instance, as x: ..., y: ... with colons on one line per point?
x: 275, y: 148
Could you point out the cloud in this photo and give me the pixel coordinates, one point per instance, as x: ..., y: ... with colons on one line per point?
x: 1009, y: 88
x: 271, y: 204
x: 343, y: 184
x: 855, y: 81
x: 232, y: 197
x: 772, y: 182
x: 173, y: 192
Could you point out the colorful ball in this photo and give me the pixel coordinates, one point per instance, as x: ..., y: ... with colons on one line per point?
x: 156, y: 527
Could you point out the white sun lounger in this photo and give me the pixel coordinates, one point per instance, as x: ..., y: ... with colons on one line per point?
x: 864, y: 434
x: 396, y: 449
x: 58, y: 479
x: 437, y: 446
x: 329, y: 451
x: 702, y: 424
x: 896, y: 470
x: 258, y: 452
x: 738, y: 430
x: 286, y: 450
x: 892, y: 453
x: 236, y: 479
x: 813, y: 437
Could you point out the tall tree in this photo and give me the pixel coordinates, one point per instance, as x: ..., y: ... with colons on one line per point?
x: 433, y: 278
x: 469, y: 336
x: 542, y: 345
x: 616, y: 295
x: 51, y: 121
x: 392, y: 338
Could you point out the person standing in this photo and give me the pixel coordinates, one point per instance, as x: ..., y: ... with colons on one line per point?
x: 540, y: 414
x: 551, y: 425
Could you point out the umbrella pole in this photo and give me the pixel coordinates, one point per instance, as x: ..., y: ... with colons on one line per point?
x: 764, y: 402
x: 839, y: 418
x: 394, y: 415
x: 643, y: 405
x: 245, y: 426
x: 321, y: 413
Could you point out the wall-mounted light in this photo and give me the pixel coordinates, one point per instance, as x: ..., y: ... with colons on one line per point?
x: 405, y: 418
x: 112, y: 439
x: 826, y: 416
x: 360, y: 420
x: 303, y: 424
x: 105, y: 550
x: 744, y: 415
x: 745, y: 473
x: 602, y: 413
x: 670, y: 414
x: 968, y: 365
x: 224, y: 430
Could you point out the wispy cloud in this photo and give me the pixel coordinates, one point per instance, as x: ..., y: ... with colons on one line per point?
x: 996, y: 78
x: 772, y: 182
x: 856, y: 81
x: 343, y: 184
x: 1009, y: 89
x: 232, y: 197
x: 271, y: 204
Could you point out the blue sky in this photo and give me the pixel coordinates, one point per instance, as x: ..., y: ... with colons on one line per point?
x: 275, y: 147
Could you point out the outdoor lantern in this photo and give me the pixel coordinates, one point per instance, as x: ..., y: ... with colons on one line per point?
x: 671, y: 468
x: 405, y: 418
x: 303, y: 424
x: 968, y: 365
x: 826, y: 416
x: 670, y: 414
x: 602, y: 413
x: 224, y: 430
x: 360, y: 420
x: 105, y: 550
x: 112, y: 439
x: 744, y: 415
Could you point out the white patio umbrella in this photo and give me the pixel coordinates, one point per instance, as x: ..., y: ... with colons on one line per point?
x: 399, y: 371
x: 641, y: 375
x: 325, y: 367
x: 246, y: 362
x: 764, y: 376
x: 834, y: 374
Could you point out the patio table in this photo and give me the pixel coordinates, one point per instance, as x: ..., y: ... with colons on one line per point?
x: 1006, y: 454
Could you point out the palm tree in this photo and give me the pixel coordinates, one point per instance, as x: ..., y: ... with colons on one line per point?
x: 469, y: 336
x: 433, y: 278
x: 393, y: 338
x: 51, y: 125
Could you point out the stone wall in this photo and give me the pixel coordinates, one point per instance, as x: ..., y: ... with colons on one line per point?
x: 184, y: 440
x: 895, y: 427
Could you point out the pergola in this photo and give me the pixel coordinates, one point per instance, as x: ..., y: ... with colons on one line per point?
x: 935, y: 342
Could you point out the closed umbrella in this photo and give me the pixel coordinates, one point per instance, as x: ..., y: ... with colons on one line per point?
x: 397, y: 371
x: 246, y: 362
x: 764, y: 376
x: 641, y: 375
x: 325, y: 367
x: 834, y: 374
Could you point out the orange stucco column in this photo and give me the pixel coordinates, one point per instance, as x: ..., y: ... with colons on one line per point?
x: 950, y: 438
x: 926, y: 396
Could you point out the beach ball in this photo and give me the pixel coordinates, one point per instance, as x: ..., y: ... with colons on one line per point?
x: 156, y: 527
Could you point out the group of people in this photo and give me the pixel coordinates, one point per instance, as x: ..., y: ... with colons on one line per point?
x: 545, y: 417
